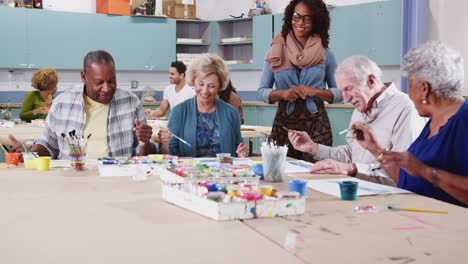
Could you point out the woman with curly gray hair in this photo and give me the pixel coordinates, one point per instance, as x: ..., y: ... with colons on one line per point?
x: 436, y: 164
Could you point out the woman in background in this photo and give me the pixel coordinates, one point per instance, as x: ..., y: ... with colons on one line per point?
x: 436, y: 164
x: 300, y: 66
x: 208, y: 124
x: 229, y: 95
x: 36, y: 104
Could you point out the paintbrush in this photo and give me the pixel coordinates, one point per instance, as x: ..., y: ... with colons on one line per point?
x: 86, y: 142
x: 181, y: 140
x: 4, y: 149
x: 416, y: 210
x: 344, y: 131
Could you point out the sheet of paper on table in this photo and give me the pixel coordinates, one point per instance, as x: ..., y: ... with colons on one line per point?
x: 331, y: 186
x: 298, y: 166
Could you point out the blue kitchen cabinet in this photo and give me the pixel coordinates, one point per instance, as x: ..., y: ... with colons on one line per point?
x: 277, y: 23
x: 164, y: 43
x: 250, y: 115
x: 262, y: 36
x: 13, y: 51
x: 136, y: 43
x: 250, y: 119
x: 372, y: 29
x: 266, y: 115
x: 59, y: 39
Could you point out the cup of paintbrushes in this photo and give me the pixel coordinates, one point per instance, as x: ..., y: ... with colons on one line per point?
x: 77, y: 152
x: 77, y: 159
x: 274, y: 162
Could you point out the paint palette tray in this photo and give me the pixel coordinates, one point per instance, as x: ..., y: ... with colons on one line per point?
x: 232, y: 210
x: 179, y: 175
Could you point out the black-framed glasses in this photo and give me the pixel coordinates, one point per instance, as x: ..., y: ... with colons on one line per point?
x: 306, y: 19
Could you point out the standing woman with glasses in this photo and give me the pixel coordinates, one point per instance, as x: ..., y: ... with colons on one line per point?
x: 300, y: 66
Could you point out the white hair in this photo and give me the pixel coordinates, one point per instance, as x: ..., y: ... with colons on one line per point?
x: 208, y: 64
x: 360, y: 67
x: 437, y: 64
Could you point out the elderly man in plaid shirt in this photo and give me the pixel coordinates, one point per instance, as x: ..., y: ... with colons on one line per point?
x: 114, y: 118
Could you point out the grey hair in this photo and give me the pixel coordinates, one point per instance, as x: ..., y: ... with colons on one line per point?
x: 437, y: 64
x: 99, y: 56
x: 358, y: 66
x: 208, y: 64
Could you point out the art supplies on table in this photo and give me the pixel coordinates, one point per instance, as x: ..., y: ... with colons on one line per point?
x: 392, y: 208
x: 332, y: 187
x: 298, y: 166
x: 136, y: 167
x: 223, y: 191
x: 202, y: 170
x: 38, y: 122
x: 274, y: 161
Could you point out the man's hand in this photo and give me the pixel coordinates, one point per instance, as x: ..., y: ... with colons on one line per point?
x: 242, y: 151
x: 301, y: 141
x: 330, y: 166
x: 143, y: 133
x: 17, y: 146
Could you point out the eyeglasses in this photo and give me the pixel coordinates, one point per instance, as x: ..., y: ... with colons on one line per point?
x: 306, y: 19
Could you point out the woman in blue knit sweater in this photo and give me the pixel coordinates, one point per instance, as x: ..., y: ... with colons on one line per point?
x: 206, y: 123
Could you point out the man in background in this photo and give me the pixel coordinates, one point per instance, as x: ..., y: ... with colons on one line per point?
x: 175, y: 93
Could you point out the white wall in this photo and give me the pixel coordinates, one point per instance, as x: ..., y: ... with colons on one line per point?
x: 82, y: 6
x: 222, y: 9
x: 448, y: 22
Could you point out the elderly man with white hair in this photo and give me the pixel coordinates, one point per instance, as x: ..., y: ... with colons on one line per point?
x: 388, y: 111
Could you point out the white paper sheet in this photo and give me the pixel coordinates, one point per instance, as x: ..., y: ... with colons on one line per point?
x: 298, y: 166
x: 331, y: 186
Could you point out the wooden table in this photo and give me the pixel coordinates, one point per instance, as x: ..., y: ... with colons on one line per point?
x: 62, y: 216
x: 27, y: 132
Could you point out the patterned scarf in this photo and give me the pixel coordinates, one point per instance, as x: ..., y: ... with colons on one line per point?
x: 284, y: 54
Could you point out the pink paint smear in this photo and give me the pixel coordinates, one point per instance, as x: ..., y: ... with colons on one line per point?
x: 419, y: 220
x: 408, y: 228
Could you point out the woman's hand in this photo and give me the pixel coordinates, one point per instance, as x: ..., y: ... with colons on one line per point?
x: 242, y: 151
x: 165, y: 135
x: 293, y: 93
x: 364, y: 135
x: 41, y: 110
x: 301, y: 141
x: 405, y: 160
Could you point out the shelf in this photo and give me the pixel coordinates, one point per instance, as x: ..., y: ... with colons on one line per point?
x: 193, y: 33
x: 193, y: 44
x: 235, y: 19
x: 191, y: 21
x: 235, y: 43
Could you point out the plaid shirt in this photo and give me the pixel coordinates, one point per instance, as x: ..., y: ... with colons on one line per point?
x: 68, y: 113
